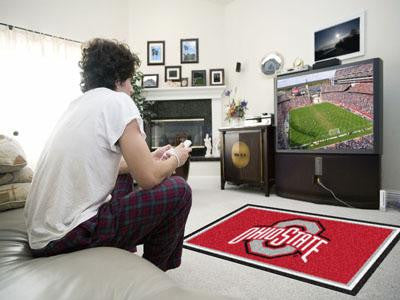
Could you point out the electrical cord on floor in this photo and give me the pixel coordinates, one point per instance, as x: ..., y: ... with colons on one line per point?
x: 333, y: 194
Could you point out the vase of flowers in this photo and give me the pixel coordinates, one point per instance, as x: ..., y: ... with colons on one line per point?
x: 236, y: 122
x: 236, y: 110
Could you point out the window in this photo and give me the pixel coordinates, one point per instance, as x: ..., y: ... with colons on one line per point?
x: 39, y: 77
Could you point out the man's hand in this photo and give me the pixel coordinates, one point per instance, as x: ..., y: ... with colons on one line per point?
x: 157, y: 154
x: 180, y: 152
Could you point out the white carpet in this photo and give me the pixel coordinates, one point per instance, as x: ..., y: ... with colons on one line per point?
x: 218, y: 276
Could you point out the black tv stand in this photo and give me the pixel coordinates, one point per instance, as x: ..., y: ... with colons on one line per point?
x: 354, y: 178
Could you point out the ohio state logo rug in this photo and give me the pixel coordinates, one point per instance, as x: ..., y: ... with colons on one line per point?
x: 332, y: 252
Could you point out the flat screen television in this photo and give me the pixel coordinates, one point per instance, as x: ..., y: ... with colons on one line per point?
x: 332, y: 110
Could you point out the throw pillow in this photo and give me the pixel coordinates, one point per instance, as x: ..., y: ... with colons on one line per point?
x: 21, y: 176
x: 6, y: 178
x: 13, y: 195
x: 12, y: 157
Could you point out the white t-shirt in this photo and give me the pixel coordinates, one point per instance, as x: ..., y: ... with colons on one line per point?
x: 79, y: 165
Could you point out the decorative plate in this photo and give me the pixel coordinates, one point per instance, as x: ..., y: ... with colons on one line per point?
x: 272, y: 63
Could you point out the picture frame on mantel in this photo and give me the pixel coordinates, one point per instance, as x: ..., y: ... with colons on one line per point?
x: 155, y: 53
x: 150, y: 81
x: 217, y: 77
x: 199, y: 78
x: 189, y: 51
x: 173, y: 73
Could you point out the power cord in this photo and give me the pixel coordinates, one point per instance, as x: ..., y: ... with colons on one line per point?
x: 333, y: 194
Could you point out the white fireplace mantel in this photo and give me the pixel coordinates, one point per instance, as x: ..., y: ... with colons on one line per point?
x: 184, y: 93
x: 215, y: 93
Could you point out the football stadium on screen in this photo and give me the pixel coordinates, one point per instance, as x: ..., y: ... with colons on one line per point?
x: 330, y: 110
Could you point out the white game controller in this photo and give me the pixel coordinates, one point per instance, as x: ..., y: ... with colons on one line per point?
x: 187, y: 143
x: 171, y: 151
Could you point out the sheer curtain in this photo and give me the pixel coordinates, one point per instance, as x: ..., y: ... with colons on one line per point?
x: 39, y: 77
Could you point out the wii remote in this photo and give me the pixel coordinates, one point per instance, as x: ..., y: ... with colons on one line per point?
x: 186, y: 144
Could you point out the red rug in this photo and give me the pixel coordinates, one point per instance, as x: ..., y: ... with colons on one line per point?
x: 332, y: 252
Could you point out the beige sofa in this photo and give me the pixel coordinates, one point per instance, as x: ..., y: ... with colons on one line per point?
x: 97, y: 273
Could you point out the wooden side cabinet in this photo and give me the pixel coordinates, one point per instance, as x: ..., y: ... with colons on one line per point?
x: 247, y: 156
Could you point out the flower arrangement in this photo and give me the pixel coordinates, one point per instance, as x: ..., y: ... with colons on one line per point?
x: 236, y: 108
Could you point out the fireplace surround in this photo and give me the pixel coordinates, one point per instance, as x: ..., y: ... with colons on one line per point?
x: 178, y: 120
x: 186, y: 112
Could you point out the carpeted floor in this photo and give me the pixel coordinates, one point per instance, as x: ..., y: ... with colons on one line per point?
x: 218, y: 276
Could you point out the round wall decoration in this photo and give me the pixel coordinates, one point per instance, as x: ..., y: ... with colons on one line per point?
x: 271, y: 63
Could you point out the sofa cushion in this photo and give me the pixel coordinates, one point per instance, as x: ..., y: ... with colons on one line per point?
x: 13, y: 195
x: 22, y: 176
x: 12, y: 157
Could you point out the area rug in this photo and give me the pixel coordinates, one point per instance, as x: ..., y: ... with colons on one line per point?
x: 332, y: 252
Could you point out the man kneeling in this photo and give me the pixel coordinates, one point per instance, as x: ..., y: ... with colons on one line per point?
x: 82, y: 193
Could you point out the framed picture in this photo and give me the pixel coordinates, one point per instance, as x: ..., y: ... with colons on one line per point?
x: 199, y: 78
x: 343, y: 40
x: 189, y: 51
x: 173, y: 73
x: 217, y: 77
x: 150, y: 81
x: 185, y: 82
x: 155, y: 53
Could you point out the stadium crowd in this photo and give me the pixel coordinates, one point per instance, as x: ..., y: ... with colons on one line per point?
x: 363, y: 88
x: 283, y: 113
x: 364, y: 142
x: 358, y: 73
x: 327, y: 88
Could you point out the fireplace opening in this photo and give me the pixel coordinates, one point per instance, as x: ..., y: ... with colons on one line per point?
x: 178, y: 120
x: 174, y: 131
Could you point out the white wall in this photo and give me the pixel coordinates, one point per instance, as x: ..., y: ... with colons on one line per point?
x: 286, y: 27
x: 74, y: 19
x: 173, y: 20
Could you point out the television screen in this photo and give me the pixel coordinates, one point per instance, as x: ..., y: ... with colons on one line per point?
x: 336, y: 109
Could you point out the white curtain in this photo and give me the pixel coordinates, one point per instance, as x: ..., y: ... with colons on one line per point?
x: 39, y: 77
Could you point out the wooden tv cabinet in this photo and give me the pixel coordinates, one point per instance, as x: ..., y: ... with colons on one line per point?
x: 247, y: 155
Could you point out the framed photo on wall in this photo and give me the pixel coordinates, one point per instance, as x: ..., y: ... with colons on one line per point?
x: 189, y: 51
x: 155, y: 53
x: 343, y: 40
x: 173, y: 73
x: 217, y: 77
x: 199, y: 78
x: 150, y: 81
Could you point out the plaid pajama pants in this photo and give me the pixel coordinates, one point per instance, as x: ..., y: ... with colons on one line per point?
x: 155, y: 218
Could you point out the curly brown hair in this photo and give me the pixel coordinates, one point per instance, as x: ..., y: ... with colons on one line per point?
x: 105, y: 62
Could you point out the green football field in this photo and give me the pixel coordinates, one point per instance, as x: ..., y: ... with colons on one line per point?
x: 322, y: 124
